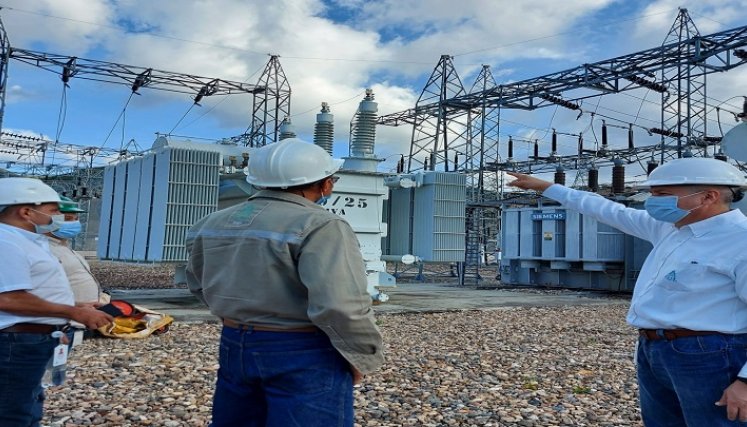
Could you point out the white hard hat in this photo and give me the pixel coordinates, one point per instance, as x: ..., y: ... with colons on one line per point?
x: 21, y: 191
x: 696, y: 171
x: 289, y: 163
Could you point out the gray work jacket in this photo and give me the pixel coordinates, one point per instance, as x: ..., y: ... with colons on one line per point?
x: 280, y: 260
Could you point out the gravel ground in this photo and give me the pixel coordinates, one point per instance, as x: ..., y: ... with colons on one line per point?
x: 119, y: 275
x: 568, y: 366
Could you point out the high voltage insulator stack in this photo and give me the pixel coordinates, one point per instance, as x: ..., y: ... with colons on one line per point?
x: 364, y: 128
x: 324, y: 129
x: 618, y: 177
x: 286, y: 129
x: 363, y: 136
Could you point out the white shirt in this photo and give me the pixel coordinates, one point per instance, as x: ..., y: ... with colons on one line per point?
x: 694, y: 278
x: 27, y: 264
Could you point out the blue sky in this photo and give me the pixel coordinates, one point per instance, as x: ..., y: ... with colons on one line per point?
x: 331, y: 51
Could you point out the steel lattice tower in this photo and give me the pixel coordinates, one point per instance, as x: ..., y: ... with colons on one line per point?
x: 683, y: 107
x: 4, y: 59
x: 438, y: 132
x: 483, y: 133
x: 484, y: 127
x: 271, y: 106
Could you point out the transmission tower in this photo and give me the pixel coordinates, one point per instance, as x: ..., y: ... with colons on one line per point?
x: 484, y: 127
x: 483, y: 132
x: 271, y: 106
x: 683, y: 106
x: 438, y: 131
x: 4, y: 59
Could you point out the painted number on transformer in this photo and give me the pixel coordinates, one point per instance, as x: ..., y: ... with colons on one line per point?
x: 338, y: 204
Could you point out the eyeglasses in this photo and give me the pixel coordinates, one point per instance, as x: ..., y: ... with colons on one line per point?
x: 334, y: 178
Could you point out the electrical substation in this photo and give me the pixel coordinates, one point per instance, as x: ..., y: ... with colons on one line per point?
x: 447, y: 202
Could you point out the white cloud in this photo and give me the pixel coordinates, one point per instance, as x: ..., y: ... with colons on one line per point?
x: 18, y: 93
x: 709, y: 16
x: 29, y: 22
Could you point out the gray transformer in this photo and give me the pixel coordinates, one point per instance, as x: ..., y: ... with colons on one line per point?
x: 150, y: 202
x: 550, y: 246
x: 426, y: 216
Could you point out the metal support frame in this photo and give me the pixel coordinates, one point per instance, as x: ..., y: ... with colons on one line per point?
x: 35, y: 154
x: 683, y: 107
x: 4, y: 60
x: 136, y: 77
x: 270, y: 106
x: 481, y: 183
x: 439, y: 131
x: 713, y: 53
x: 682, y: 63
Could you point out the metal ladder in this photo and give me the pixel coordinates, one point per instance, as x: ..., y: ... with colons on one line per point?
x: 469, y: 271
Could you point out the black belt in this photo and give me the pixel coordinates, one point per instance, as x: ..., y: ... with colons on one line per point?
x: 33, y: 328
x: 672, y: 334
x: 264, y: 328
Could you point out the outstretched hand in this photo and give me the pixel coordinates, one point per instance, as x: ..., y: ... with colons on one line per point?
x: 528, y: 182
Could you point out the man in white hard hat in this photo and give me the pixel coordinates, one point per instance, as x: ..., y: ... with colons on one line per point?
x: 35, y: 298
x: 288, y: 280
x: 690, y: 299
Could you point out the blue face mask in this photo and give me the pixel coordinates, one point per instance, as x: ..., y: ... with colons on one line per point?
x: 323, y: 199
x: 57, y: 221
x: 68, y: 230
x: 664, y: 208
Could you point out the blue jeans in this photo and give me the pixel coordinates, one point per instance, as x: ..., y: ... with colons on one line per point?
x: 680, y: 380
x: 23, y: 358
x: 281, y: 379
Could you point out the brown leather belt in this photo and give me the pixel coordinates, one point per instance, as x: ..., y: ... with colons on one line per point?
x: 672, y: 334
x: 33, y: 328
x: 264, y: 328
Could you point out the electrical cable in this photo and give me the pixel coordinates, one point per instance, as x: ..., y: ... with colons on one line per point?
x: 691, y: 13
x: 357, y: 95
x: 182, y: 118
x: 218, y: 103
x: 61, y: 116
x: 593, y: 133
x: 640, y: 107
x: 220, y: 46
x: 193, y: 137
x: 212, y: 45
x: 115, y: 27
x: 124, y: 119
x: 718, y: 101
x: 117, y: 121
x: 636, y: 117
x: 549, y: 125
x: 574, y: 31
x: 122, y: 115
